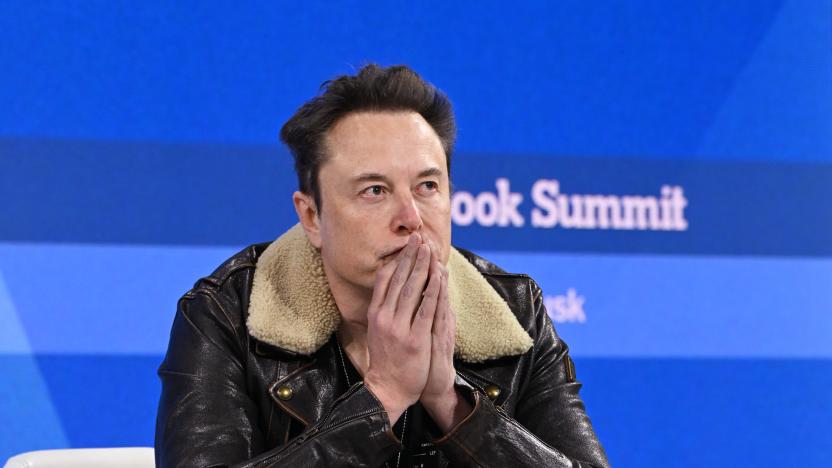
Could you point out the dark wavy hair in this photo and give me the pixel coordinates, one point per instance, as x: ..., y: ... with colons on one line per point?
x: 373, y: 88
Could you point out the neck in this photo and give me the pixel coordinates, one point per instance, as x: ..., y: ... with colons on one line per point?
x: 353, y: 339
x: 352, y: 304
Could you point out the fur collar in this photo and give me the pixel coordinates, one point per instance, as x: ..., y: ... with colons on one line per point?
x: 291, y: 306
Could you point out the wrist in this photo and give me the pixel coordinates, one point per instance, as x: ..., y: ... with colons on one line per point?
x: 447, y: 410
x: 440, y: 401
x: 394, y: 406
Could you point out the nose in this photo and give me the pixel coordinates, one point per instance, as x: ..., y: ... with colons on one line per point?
x: 407, y: 218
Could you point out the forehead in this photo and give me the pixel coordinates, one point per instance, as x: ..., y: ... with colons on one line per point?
x: 363, y: 141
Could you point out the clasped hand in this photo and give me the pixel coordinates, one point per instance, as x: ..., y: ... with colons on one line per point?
x: 410, y: 334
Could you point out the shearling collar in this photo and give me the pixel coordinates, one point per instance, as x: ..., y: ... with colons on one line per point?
x: 291, y: 305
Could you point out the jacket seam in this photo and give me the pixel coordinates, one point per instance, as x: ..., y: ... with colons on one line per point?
x: 191, y: 323
x: 217, y: 281
x: 246, y: 260
x: 269, y: 423
x: 210, y: 294
x: 317, y: 432
x: 522, y: 428
x: 467, y: 451
x: 536, y: 292
x: 235, y: 269
x: 505, y: 275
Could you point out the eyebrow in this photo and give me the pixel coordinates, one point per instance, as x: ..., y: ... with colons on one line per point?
x: 373, y: 176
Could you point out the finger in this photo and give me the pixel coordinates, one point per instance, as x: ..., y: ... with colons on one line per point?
x: 440, y: 323
x: 434, y: 252
x: 405, y: 261
x: 449, y: 317
x: 411, y: 293
x: 446, y: 333
x: 423, y: 321
x: 381, y: 284
x: 435, y: 261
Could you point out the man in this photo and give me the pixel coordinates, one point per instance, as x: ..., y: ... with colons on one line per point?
x: 361, y: 337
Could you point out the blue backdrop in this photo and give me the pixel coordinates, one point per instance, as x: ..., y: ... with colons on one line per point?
x: 663, y: 169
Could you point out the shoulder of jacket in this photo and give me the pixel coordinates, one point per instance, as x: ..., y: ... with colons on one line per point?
x: 490, y: 269
x: 516, y: 288
x: 238, y: 264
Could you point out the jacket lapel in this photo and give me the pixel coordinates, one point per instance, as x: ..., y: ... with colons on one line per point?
x: 309, y: 390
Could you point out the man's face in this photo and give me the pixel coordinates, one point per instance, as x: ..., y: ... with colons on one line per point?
x: 386, y: 177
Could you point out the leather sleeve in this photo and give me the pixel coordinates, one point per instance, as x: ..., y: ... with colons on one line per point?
x: 355, y: 433
x: 550, y: 426
x: 206, y: 417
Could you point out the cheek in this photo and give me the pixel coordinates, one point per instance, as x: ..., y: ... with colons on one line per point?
x: 436, y: 213
x: 341, y: 220
x: 338, y: 239
x: 437, y: 204
x: 351, y: 233
x: 437, y: 218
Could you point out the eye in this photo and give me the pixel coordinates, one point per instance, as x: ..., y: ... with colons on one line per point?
x: 430, y: 185
x: 373, y: 190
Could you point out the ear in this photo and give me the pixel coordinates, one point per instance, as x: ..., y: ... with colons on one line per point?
x: 308, y: 217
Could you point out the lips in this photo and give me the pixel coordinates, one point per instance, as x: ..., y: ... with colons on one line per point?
x: 393, y: 252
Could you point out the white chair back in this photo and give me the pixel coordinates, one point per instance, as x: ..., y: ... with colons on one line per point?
x: 129, y: 457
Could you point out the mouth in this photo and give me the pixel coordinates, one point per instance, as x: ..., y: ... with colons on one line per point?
x: 392, y: 253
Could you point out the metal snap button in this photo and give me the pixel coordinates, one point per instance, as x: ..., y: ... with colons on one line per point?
x: 284, y: 393
x: 492, y: 391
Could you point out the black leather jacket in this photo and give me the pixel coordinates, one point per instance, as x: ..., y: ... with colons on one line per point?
x: 229, y: 399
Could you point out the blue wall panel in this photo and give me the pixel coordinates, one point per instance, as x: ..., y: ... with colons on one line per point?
x: 138, y: 149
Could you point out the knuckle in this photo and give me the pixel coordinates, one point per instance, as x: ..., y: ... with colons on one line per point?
x: 380, y: 320
x: 396, y: 279
x: 374, y: 325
